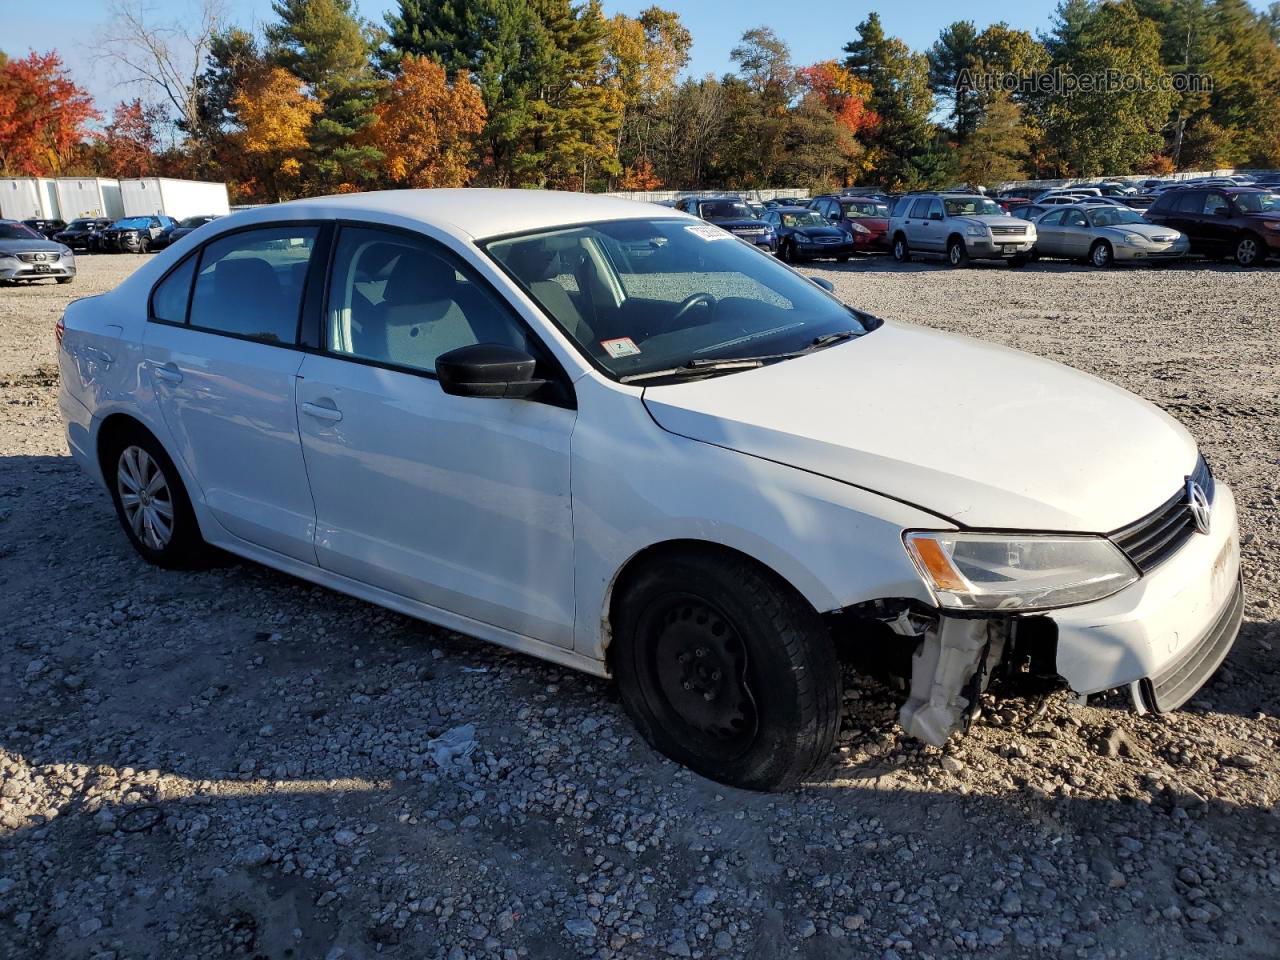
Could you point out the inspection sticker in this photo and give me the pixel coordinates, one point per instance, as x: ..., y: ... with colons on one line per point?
x: 709, y: 231
x: 619, y: 348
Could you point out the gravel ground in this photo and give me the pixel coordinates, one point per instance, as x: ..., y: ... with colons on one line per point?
x: 235, y: 764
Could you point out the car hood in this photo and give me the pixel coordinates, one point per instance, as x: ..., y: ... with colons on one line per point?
x: 1267, y: 216
x: 996, y: 220
x: 976, y: 433
x: 30, y: 246
x: 874, y: 224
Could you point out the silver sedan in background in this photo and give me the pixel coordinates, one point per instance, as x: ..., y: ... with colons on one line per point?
x: 1103, y: 235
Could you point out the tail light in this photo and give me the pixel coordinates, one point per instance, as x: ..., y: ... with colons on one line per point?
x: 58, y: 330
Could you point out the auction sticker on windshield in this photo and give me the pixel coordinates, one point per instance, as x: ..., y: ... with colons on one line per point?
x: 708, y: 232
x: 619, y: 348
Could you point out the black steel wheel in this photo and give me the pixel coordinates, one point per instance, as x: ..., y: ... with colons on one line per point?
x: 726, y: 669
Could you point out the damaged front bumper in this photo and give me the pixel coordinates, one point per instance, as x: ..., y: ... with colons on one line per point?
x: 1161, y: 637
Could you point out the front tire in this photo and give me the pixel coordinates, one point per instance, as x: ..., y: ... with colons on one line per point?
x: 64, y: 279
x: 957, y: 253
x: 901, y: 252
x: 726, y: 669
x: 151, y: 502
x: 1101, y: 255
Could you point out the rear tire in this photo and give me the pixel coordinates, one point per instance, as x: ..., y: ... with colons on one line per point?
x: 726, y: 669
x: 151, y: 502
x: 1248, y: 251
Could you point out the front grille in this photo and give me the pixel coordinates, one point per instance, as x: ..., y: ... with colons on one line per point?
x: 38, y: 257
x: 828, y: 239
x: 747, y: 231
x: 1008, y: 231
x: 1157, y: 536
x: 1164, y: 239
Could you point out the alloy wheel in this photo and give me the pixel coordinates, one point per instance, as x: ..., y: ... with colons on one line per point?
x: 1247, y: 252
x: 1101, y: 255
x: 145, y: 496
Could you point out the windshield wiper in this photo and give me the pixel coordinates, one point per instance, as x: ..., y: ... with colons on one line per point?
x: 702, y: 366
x: 698, y: 368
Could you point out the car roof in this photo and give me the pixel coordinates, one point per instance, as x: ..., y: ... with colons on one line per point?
x: 478, y: 212
x: 857, y: 198
x: 791, y: 208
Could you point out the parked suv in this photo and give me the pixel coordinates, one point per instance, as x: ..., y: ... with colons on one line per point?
x: 134, y: 234
x: 732, y: 214
x: 1242, y: 223
x: 46, y: 228
x: 959, y: 227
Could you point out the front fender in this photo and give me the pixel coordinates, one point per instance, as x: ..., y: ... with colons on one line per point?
x: 636, y: 486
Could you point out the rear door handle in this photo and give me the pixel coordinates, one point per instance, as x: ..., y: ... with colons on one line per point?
x: 321, y: 411
x: 169, y: 373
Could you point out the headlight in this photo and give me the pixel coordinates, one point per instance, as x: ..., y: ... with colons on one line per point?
x: 1133, y: 239
x: 858, y: 228
x: 974, y: 230
x: 1018, y: 572
x: 1272, y: 224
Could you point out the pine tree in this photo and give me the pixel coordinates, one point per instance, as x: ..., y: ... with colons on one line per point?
x: 953, y: 63
x: 324, y: 44
x: 903, y: 143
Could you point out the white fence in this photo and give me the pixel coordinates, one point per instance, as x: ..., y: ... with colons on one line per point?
x: 660, y: 196
x: 1135, y: 178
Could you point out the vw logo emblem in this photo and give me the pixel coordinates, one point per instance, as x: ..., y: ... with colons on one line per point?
x: 1198, y: 505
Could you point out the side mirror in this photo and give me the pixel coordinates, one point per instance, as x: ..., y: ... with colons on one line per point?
x: 833, y: 217
x: 487, y: 370
x: 824, y: 283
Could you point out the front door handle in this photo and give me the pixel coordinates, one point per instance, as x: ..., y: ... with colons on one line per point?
x: 321, y: 411
x: 168, y: 373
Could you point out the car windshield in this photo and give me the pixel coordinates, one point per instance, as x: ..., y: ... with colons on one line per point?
x: 81, y: 224
x: 810, y: 218
x: 194, y: 222
x: 135, y: 222
x: 18, y: 231
x: 865, y: 208
x: 972, y: 207
x: 1258, y: 202
x: 639, y: 296
x: 723, y: 209
x: 1114, y: 216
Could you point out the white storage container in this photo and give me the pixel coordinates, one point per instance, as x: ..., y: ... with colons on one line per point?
x: 174, y: 198
x: 22, y: 198
x: 89, y: 197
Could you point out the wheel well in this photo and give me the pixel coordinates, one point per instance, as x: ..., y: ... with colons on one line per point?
x: 115, y: 427
x: 656, y: 553
x: 899, y: 235
x: 954, y: 236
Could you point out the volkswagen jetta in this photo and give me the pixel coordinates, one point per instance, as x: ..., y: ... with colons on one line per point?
x: 626, y: 441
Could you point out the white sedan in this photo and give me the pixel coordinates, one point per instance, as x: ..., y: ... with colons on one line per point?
x: 621, y: 439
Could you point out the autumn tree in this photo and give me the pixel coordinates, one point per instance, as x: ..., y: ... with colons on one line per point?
x: 427, y: 127
x: 43, y: 116
x: 845, y: 97
x: 128, y: 144
x: 275, y: 114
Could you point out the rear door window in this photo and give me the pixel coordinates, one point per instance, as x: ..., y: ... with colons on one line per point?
x: 250, y: 283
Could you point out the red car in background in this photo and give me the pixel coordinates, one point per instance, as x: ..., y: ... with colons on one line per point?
x: 865, y: 218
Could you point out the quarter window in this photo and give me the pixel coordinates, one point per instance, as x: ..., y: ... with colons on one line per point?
x: 404, y: 301
x: 250, y: 283
x: 169, y: 299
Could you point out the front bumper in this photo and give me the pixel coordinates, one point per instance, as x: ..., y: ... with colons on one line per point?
x: 813, y: 251
x: 1152, y: 251
x: 1168, y: 632
x: 985, y: 248
x: 14, y: 269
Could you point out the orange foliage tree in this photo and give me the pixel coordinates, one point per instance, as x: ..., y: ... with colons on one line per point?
x: 845, y: 96
x: 427, y: 128
x: 275, y: 114
x: 129, y: 142
x: 42, y: 116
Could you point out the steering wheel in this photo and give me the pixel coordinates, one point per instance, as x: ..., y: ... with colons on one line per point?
x: 689, y: 303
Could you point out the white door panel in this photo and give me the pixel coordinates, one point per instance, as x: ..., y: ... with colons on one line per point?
x: 459, y: 502
x: 229, y: 405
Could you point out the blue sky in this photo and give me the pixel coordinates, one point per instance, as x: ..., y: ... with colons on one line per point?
x: 815, y: 29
